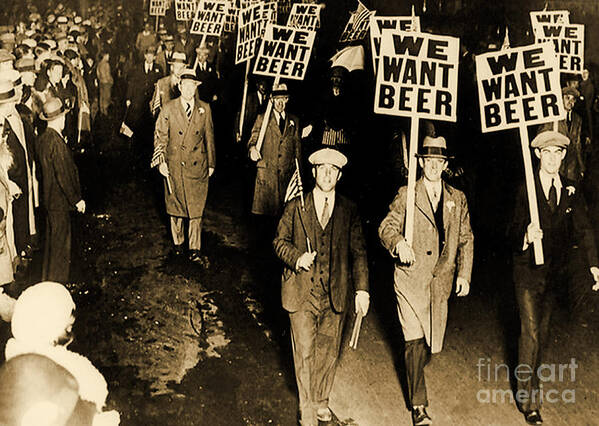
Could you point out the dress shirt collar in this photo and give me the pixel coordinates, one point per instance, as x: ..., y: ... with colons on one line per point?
x: 319, y: 197
x: 433, y: 187
x: 184, y: 103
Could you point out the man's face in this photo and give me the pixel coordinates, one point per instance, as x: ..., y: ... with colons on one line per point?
x: 149, y: 57
x: 569, y: 102
x: 188, y: 89
x: 262, y: 87
x: 55, y: 73
x: 177, y: 67
x: 28, y: 78
x: 432, y: 167
x: 585, y: 75
x: 279, y: 103
x: 326, y: 176
x: 169, y: 45
x: 202, y: 54
x: 62, y: 44
x: 551, y: 158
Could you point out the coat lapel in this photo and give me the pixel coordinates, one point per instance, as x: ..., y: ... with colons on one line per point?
x: 422, y: 201
x: 448, y: 200
x: 309, y: 219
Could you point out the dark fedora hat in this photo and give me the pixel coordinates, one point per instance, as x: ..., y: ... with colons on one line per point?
x: 52, y: 109
x: 434, y: 148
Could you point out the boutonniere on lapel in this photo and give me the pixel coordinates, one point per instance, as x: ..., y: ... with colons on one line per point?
x: 450, y: 205
x: 571, y: 190
x: 202, y: 110
x: 568, y: 210
x: 291, y: 123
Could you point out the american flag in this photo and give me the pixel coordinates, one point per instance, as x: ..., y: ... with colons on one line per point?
x: 156, y: 101
x: 295, y: 187
x: 157, y: 156
x: 353, y: 30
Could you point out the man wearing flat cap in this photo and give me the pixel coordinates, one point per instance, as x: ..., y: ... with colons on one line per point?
x: 322, y: 246
x: 185, y: 156
x: 441, y: 252
x: 563, y: 226
x: 573, y: 166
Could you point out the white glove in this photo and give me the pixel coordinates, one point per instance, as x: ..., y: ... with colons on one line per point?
x: 405, y: 253
x: 362, y: 302
x: 210, y: 171
x: 462, y: 287
x: 14, y: 189
x: 80, y: 206
x: 595, y: 273
x: 305, y: 261
x: 255, y: 154
x: 306, y: 131
x: 163, y: 169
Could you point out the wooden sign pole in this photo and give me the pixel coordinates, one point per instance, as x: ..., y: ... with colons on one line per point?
x: 244, y: 98
x: 411, y: 196
x: 266, y: 118
x: 156, y: 27
x: 531, y: 190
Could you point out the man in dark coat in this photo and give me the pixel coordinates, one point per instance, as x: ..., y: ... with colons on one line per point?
x: 184, y: 154
x: 61, y: 191
x: 563, y: 225
x: 324, y: 253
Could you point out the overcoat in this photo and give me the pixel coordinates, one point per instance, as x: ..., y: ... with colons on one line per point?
x: 425, y: 286
x: 189, y: 152
x: 279, y: 152
x: 348, y: 262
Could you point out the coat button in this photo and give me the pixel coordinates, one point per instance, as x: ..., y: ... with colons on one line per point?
x: 180, y: 132
x: 429, y: 252
x: 183, y: 163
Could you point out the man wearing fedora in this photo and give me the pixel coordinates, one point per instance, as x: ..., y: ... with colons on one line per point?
x: 167, y: 88
x: 61, y: 192
x: 441, y: 252
x: 563, y: 225
x: 322, y: 246
x: 275, y: 161
x: 184, y: 154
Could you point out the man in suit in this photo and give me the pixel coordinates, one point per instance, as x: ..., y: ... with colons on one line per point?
x: 442, y: 248
x: 563, y: 225
x: 573, y: 166
x: 275, y: 161
x: 207, y: 74
x: 321, y: 245
x: 255, y: 104
x: 165, y: 56
x: 167, y: 88
x: 61, y: 191
x: 184, y: 154
x: 140, y: 87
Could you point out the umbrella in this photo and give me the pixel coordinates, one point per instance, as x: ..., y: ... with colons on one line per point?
x: 351, y: 58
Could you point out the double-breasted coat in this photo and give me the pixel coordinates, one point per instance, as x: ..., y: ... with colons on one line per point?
x: 279, y: 152
x: 348, y: 262
x: 188, y: 147
x: 423, y: 288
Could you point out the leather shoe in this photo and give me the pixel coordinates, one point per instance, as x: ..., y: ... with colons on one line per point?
x: 533, y: 417
x: 420, y: 416
x: 196, y: 257
x: 324, y: 414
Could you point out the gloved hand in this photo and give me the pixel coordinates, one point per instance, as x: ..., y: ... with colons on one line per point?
x: 362, y: 302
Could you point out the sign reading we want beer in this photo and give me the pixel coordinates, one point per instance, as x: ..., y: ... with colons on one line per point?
x: 519, y: 87
x: 417, y: 75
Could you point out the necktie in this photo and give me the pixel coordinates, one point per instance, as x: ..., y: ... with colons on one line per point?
x: 569, y: 120
x: 188, y: 110
x: 552, y: 196
x: 325, y: 216
x: 435, y: 200
x: 281, y: 123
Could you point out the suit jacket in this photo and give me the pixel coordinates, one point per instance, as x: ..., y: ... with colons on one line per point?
x: 568, y: 226
x: 348, y: 267
x: 188, y: 147
x: 210, y: 83
x: 60, y: 178
x: 279, y: 152
x: 253, y: 107
x: 140, y: 87
x: 163, y: 58
x: 426, y: 284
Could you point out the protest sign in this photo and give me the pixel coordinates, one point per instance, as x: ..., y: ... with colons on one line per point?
x: 231, y: 18
x: 380, y: 23
x: 249, y: 30
x: 284, y: 52
x: 518, y: 87
x: 568, y: 41
x: 549, y: 17
x: 185, y: 9
x: 209, y: 19
x: 417, y: 75
x: 269, y: 13
x: 357, y: 25
x: 305, y: 16
x: 157, y: 7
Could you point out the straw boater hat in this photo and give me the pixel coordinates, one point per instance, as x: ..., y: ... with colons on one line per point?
x: 24, y: 65
x: 53, y: 108
x: 13, y: 76
x: 178, y: 58
x: 550, y: 138
x: 188, y: 75
x: 328, y: 156
x: 434, y: 148
x: 279, y: 90
x: 7, y: 92
x: 6, y: 56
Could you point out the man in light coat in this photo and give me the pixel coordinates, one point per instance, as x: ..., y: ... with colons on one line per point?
x: 442, y: 249
x: 184, y: 154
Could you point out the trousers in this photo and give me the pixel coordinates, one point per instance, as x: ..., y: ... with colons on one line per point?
x: 194, y: 232
x: 57, y: 248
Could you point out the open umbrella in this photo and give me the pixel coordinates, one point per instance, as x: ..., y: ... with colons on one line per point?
x: 351, y: 58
